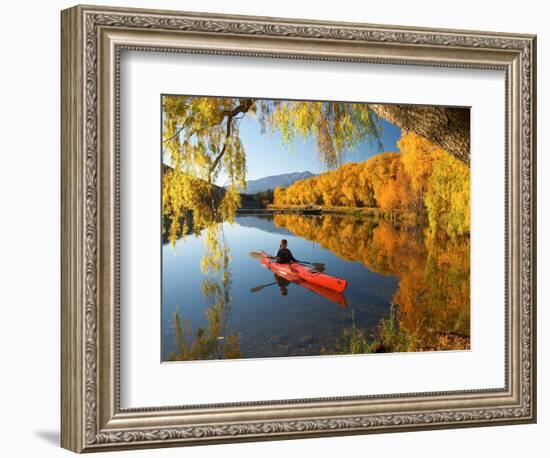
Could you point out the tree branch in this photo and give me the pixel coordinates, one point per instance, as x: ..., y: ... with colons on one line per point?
x: 242, y: 108
x: 447, y: 127
x: 174, y: 136
x: 225, y: 113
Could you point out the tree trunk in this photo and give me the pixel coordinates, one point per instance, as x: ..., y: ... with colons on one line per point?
x: 446, y: 127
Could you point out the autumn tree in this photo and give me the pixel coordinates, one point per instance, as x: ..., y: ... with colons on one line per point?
x: 443, y: 182
x: 200, y: 138
x: 420, y: 178
x: 336, y: 126
x: 389, y: 180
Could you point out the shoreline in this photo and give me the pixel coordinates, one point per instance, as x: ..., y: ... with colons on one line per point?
x: 358, y: 212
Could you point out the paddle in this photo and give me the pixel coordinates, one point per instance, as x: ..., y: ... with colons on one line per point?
x: 260, y: 287
x: 257, y: 255
x: 319, y: 266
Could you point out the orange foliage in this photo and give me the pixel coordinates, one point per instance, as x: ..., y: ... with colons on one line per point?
x: 422, y: 178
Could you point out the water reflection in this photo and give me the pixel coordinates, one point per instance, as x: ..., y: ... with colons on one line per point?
x: 433, y: 298
x: 213, y: 341
x: 428, y: 309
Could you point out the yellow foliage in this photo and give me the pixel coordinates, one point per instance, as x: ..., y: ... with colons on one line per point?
x: 443, y: 180
x: 422, y: 178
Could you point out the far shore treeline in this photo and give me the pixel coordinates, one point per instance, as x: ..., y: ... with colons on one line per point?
x: 421, y: 179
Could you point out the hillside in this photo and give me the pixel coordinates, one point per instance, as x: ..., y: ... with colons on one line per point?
x: 420, y: 178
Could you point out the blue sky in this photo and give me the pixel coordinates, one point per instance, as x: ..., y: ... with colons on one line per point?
x: 266, y: 155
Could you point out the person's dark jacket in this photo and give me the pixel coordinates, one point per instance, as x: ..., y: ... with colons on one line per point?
x: 284, y: 256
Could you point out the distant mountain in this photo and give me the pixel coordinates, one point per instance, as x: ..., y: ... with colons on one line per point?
x: 264, y: 223
x: 275, y: 181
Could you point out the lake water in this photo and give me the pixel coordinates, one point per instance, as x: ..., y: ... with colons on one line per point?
x: 215, y: 315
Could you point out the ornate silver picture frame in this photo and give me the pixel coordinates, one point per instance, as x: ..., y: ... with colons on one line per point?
x: 93, y: 39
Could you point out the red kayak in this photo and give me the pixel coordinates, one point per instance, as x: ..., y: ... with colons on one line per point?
x: 296, y: 271
x: 288, y: 273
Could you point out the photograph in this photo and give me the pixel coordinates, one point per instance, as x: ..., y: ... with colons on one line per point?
x: 295, y: 228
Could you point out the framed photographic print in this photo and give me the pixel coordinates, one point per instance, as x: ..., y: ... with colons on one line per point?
x: 277, y: 228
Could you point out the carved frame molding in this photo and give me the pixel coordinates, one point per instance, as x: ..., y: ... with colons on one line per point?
x: 92, y: 40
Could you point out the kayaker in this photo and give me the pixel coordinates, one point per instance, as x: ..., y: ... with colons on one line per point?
x: 284, y: 256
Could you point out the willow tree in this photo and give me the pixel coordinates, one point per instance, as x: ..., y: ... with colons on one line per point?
x: 201, y: 141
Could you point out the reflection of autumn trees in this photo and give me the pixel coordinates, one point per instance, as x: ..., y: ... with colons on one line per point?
x: 434, y: 291
x: 213, y: 341
x: 345, y: 236
x: 421, y: 178
x: 433, y: 298
x: 209, y: 343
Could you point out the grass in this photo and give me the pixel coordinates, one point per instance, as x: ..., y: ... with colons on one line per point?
x: 355, y: 340
x: 390, y: 339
